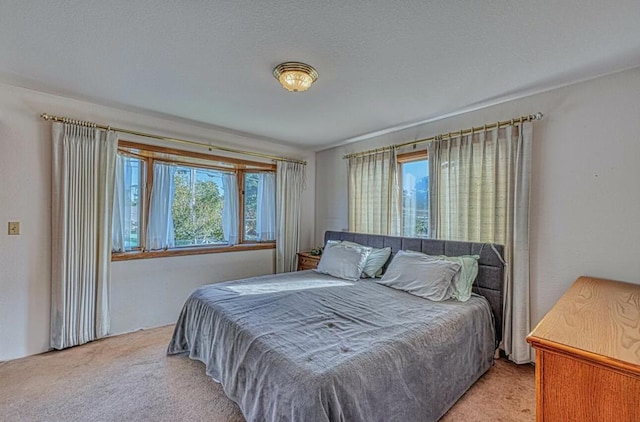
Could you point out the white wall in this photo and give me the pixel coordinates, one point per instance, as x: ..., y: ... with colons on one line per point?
x: 144, y: 293
x: 585, y: 202
x: 150, y: 292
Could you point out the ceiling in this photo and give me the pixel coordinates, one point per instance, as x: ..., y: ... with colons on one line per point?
x: 382, y: 64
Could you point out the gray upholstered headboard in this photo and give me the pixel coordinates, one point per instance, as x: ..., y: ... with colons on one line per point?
x: 490, y: 277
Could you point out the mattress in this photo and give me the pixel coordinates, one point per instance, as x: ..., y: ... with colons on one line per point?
x: 309, y: 347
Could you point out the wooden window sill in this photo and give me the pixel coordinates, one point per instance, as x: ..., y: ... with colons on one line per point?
x: 199, y: 250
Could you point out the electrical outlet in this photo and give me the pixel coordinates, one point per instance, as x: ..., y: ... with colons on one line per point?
x: 14, y: 228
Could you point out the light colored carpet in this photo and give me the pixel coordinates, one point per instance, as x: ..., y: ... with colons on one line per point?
x: 129, y: 378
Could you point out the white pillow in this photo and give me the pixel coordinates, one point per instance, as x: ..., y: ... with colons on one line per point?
x: 375, y: 261
x: 421, y: 275
x: 343, y: 261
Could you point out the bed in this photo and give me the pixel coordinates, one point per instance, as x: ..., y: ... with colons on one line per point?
x: 306, y: 346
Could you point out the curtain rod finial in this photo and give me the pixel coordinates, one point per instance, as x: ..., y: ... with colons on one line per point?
x: 538, y: 116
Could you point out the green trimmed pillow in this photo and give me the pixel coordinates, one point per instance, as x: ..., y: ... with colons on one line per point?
x: 463, y: 280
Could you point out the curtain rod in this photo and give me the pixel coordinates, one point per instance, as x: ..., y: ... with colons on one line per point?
x: 448, y: 135
x: 168, y: 139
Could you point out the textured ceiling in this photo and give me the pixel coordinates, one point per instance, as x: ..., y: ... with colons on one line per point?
x: 382, y: 64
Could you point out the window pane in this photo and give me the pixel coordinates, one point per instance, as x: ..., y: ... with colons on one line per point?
x: 197, y: 206
x: 259, y: 207
x: 127, y: 206
x: 415, y: 198
x: 250, y: 206
x: 134, y: 166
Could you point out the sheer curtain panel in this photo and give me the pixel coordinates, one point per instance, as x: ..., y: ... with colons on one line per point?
x: 289, y: 185
x: 374, y: 195
x: 82, y: 199
x: 122, y: 205
x: 479, y: 191
x: 160, y: 230
x: 230, y: 208
x: 266, y: 209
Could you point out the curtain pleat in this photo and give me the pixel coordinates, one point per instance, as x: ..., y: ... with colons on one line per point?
x: 160, y: 229
x: 479, y: 192
x: 374, y: 194
x: 230, y: 208
x: 121, y: 206
x: 289, y: 186
x: 266, y: 207
x: 435, y: 181
x: 517, y: 306
x: 82, y: 200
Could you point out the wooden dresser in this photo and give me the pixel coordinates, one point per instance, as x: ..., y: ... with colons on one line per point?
x: 306, y: 261
x: 588, y: 354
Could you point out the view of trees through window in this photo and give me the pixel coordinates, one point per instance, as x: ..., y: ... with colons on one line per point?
x: 250, y: 206
x: 197, y: 206
x: 415, y: 198
x: 195, y: 189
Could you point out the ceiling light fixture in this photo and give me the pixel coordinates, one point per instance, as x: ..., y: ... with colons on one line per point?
x: 295, y: 76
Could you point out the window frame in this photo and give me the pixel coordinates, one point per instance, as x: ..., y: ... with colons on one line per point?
x: 150, y: 153
x: 409, y: 157
x: 142, y: 200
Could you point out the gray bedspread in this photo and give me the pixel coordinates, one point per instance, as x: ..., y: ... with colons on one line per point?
x: 308, y: 347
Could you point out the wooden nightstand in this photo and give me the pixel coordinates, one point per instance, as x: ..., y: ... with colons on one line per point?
x: 306, y: 261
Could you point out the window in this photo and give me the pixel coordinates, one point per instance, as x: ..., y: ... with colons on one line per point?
x: 414, y: 183
x: 198, y: 198
x: 128, y: 202
x: 170, y: 202
x: 259, y: 206
x: 250, y: 206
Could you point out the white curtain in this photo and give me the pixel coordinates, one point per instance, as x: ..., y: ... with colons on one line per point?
x: 82, y: 199
x: 122, y: 205
x: 289, y: 185
x: 374, y: 194
x: 409, y: 210
x: 266, y: 212
x: 479, y: 191
x: 160, y: 230
x: 230, y: 208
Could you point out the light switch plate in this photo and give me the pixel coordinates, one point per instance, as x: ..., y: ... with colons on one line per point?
x: 14, y: 228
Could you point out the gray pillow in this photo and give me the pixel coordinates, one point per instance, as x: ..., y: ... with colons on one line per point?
x: 375, y: 261
x: 343, y: 261
x: 421, y: 275
x: 463, y: 281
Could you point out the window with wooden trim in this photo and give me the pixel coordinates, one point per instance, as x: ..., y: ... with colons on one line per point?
x: 413, y: 178
x: 172, y: 202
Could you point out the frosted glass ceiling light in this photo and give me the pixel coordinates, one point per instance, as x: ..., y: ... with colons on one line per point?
x: 295, y: 76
